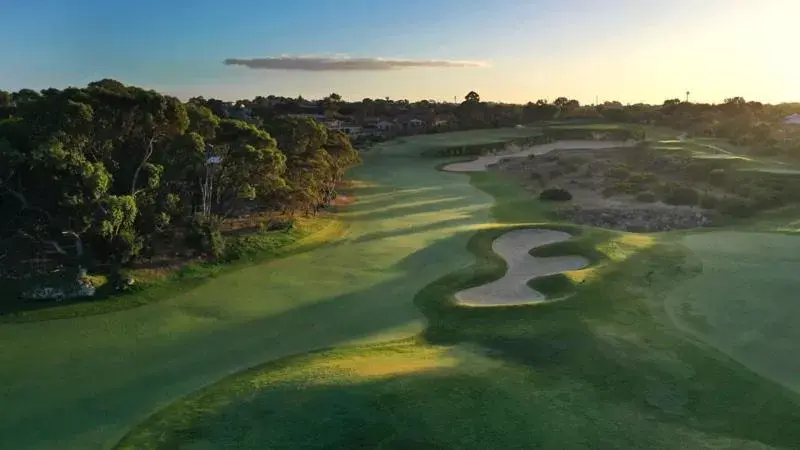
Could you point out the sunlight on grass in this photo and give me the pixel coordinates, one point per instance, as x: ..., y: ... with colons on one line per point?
x: 358, y: 366
x: 626, y: 245
x: 583, y: 275
x: 793, y: 227
x: 424, y: 206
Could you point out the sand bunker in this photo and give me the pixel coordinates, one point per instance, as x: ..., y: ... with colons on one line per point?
x: 513, y: 288
x: 483, y: 162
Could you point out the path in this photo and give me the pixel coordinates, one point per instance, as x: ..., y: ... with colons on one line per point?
x: 82, y: 383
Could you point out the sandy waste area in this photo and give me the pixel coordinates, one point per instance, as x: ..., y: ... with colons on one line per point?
x: 482, y: 163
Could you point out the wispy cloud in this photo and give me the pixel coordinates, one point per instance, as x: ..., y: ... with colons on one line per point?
x: 318, y: 64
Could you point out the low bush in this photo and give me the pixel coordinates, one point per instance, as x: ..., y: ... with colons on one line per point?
x: 766, y: 198
x: 628, y: 188
x: 643, y: 178
x: 736, y: 207
x: 708, y: 202
x: 622, y: 188
x: 646, y: 197
x: 682, y: 196
x: 555, y: 194
x: 203, y: 235
x: 620, y: 172
x: 717, y: 177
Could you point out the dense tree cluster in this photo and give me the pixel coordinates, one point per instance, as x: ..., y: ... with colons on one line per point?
x: 98, y: 174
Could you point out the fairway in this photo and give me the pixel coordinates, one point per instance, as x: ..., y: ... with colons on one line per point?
x: 747, y: 300
x: 604, y: 368
x: 83, y: 382
x: 360, y: 343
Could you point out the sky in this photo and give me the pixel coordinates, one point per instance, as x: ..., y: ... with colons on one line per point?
x: 506, y: 50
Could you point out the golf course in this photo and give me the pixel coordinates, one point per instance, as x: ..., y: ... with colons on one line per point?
x: 448, y: 309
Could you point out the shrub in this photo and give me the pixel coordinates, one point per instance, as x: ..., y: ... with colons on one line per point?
x: 682, y: 196
x: 627, y: 188
x: 555, y: 194
x: 742, y: 189
x: 717, y: 177
x: 736, y: 207
x: 708, y: 202
x: 643, y: 178
x: 666, y: 188
x: 646, y: 197
x: 620, y: 172
x: 203, y: 235
x: 698, y: 170
x: 621, y: 188
x: 766, y: 198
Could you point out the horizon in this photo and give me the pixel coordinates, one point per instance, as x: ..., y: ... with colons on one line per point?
x: 612, y: 50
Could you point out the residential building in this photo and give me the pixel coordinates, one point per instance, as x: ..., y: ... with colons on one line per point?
x: 416, y: 123
x: 794, y: 119
x: 320, y: 117
x: 385, y: 125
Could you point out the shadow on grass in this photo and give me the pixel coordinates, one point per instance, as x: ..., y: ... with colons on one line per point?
x: 184, y: 280
x: 148, y: 377
x: 401, y: 209
x: 458, y: 221
x: 604, y: 348
x: 606, y: 335
x: 609, y: 337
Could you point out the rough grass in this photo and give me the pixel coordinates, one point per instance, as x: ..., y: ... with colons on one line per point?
x: 605, y: 368
x: 250, y: 249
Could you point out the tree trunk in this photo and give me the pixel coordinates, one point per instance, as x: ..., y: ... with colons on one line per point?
x: 147, y: 156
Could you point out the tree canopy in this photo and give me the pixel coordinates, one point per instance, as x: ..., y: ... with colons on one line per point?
x: 96, y: 174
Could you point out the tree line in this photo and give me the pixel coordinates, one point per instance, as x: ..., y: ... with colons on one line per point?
x: 740, y: 121
x: 102, y: 174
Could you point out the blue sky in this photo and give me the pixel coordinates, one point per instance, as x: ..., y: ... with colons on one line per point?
x: 631, y: 50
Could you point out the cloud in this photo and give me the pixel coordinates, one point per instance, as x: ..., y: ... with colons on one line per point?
x: 318, y: 64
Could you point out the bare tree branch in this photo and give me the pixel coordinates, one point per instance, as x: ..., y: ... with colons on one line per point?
x: 147, y: 155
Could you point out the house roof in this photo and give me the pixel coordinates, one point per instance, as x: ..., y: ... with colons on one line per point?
x: 793, y: 119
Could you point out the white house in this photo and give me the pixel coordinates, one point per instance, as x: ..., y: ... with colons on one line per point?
x: 351, y: 130
x: 794, y: 119
x: 319, y: 117
x: 385, y: 125
x: 333, y: 124
x: 416, y: 123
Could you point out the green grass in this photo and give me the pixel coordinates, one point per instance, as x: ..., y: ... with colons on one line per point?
x: 745, y: 302
x: 248, y: 249
x: 553, y: 287
x: 605, y: 368
x: 408, y: 226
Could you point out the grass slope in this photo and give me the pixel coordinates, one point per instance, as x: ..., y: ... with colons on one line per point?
x: 604, y: 369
